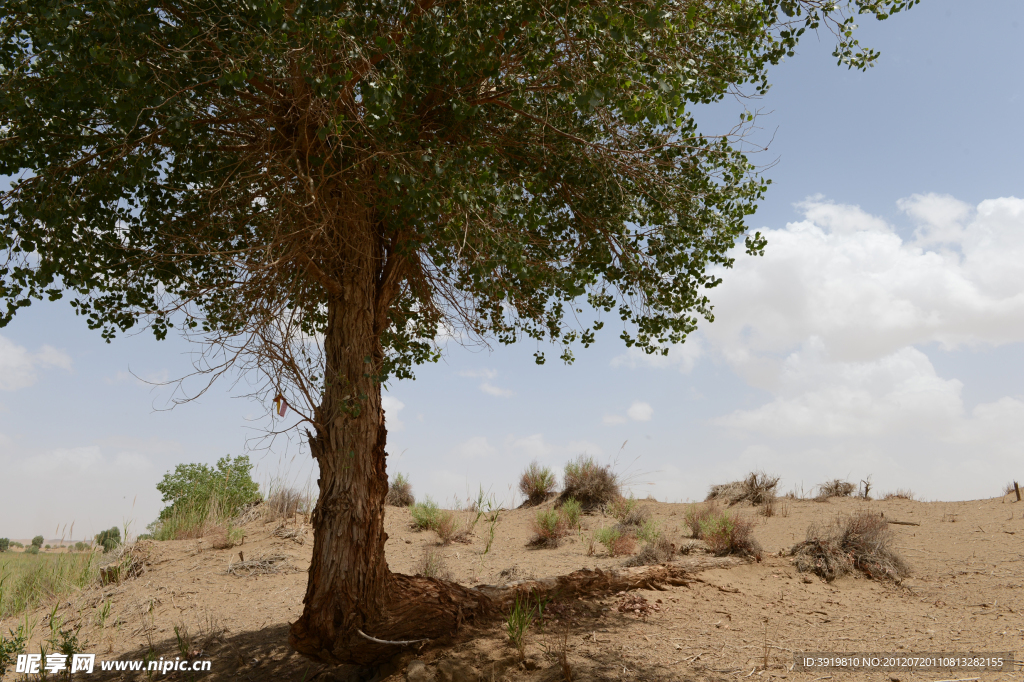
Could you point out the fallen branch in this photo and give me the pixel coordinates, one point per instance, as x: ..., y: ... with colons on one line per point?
x: 903, y: 523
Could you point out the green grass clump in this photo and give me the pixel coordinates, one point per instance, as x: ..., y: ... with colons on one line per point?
x: 649, y: 531
x: 590, y: 483
x: 724, y: 533
x: 425, y: 514
x: 572, y: 510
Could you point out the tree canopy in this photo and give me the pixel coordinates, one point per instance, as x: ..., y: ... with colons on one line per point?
x: 191, y: 162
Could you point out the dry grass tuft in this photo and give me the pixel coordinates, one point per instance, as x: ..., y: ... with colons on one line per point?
x: 657, y: 552
x: 260, y: 565
x: 591, y: 484
x: 757, y: 488
x: 835, y: 488
x: 449, y: 529
x: 399, y: 492
x: 862, y: 542
x: 433, y: 565
x: 628, y: 511
x: 622, y: 545
x: 900, y: 494
x: 537, y: 483
x: 776, y: 506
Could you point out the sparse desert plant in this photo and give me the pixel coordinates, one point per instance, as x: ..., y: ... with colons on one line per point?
x: 837, y: 487
x: 865, y: 489
x: 1010, y: 488
x: 777, y: 506
x: 588, y: 482
x: 399, y: 492
x: 283, y: 501
x: 628, y: 511
x: 433, y: 564
x: 448, y: 528
x: 537, y: 483
x: 616, y: 541
x: 900, y: 494
x: 726, y: 533
x: 572, y: 510
x: 655, y: 552
x: 649, y: 531
x: 697, y: 514
x: 549, y: 527
x: 425, y: 514
x: 862, y: 542
x: 757, y: 488
x: 518, y: 622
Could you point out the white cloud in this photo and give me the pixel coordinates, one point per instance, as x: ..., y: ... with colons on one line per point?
x: 490, y: 389
x: 392, y: 406
x: 640, y: 412
x: 682, y: 356
x: 478, y: 373
x: 18, y: 366
x: 475, y: 448
x: 612, y: 419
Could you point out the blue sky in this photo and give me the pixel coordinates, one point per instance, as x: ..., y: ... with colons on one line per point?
x: 881, y: 335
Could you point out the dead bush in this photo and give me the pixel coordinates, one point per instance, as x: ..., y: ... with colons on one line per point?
x: 449, y: 529
x: 628, y: 511
x: 837, y: 487
x: 698, y: 514
x: 433, y: 565
x: 622, y: 545
x: 900, y: 494
x: 725, y: 533
x: 757, y: 488
x: 591, y: 484
x: 657, y: 552
x: 537, y: 483
x: 859, y: 542
x: 399, y: 492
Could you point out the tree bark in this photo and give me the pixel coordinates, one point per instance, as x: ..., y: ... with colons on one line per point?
x: 350, y: 589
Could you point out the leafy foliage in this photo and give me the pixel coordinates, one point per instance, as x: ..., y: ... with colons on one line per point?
x: 221, y: 167
x: 195, y: 485
x: 109, y: 539
x: 10, y: 647
x: 37, y: 541
x: 5, y: 543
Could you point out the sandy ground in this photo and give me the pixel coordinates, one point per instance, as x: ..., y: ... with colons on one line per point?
x: 747, y: 622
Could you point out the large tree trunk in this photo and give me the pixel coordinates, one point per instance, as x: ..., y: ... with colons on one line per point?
x: 350, y: 588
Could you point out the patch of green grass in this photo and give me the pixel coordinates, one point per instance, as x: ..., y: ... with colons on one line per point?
x: 28, y: 579
x: 572, y: 510
x: 518, y: 622
x: 649, y: 531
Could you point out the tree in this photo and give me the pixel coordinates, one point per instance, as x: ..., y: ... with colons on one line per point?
x: 108, y: 539
x: 37, y: 541
x: 195, y: 485
x: 5, y: 543
x: 313, y: 189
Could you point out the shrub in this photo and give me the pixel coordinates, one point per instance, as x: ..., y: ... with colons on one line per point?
x: 900, y: 494
x: 5, y: 544
x: 757, y: 488
x: 656, y: 552
x: 537, y: 483
x: 399, y: 492
x: 836, y: 488
x: 32, y: 549
x: 425, y: 514
x: 722, y: 532
x: 37, y: 541
x: 549, y: 527
x: 616, y: 541
x: 195, y: 486
x: 283, y: 501
x: 572, y: 510
x: 447, y: 528
x: 862, y: 541
x: 588, y: 482
x: 649, y: 531
x: 627, y: 511
x: 108, y: 539
x: 11, y: 647
x: 698, y: 514
x: 727, y: 534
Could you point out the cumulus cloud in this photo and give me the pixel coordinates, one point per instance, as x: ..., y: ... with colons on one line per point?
x: 640, y: 412
x: 392, y: 406
x: 835, y: 322
x: 18, y: 366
